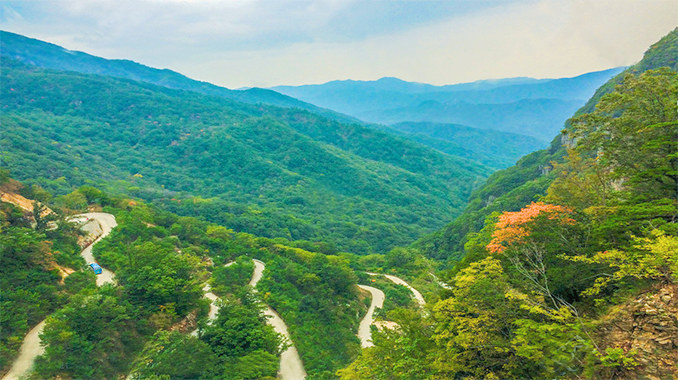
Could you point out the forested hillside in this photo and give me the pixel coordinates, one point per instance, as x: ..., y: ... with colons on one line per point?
x: 274, y: 172
x: 495, y: 149
x: 510, y: 189
x: 144, y: 325
x: 564, y: 265
x: 43, y: 54
x: 32, y: 262
x: 573, y: 274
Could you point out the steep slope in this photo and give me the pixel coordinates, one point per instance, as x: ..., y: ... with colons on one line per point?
x: 43, y: 54
x: 579, y: 284
x: 512, y: 188
x: 521, y: 105
x: 495, y: 149
x: 266, y: 170
x: 34, y: 261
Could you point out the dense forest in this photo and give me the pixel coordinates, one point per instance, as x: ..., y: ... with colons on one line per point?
x: 140, y: 326
x: 570, y: 273
x: 512, y: 188
x: 564, y: 265
x: 269, y: 171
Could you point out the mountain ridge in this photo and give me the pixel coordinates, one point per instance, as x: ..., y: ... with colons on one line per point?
x: 48, y: 55
x: 401, y: 83
x: 276, y: 172
x: 391, y: 100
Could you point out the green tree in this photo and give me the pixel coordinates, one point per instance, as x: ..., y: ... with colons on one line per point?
x: 240, y: 329
x: 161, y: 277
x: 474, y: 326
x: 634, y: 134
x: 93, y: 337
x: 258, y: 364
x: 4, y: 176
x: 580, y: 183
x: 94, y: 195
x: 229, y: 279
x: 175, y: 356
x: 652, y: 257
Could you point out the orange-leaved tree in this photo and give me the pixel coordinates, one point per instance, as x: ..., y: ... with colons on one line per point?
x: 512, y: 227
x: 531, y: 240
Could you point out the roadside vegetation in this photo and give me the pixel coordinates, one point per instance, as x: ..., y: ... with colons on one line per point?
x: 141, y: 325
x: 31, y: 263
x: 551, y: 265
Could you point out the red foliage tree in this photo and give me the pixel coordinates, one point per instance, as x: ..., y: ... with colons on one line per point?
x: 512, y: 226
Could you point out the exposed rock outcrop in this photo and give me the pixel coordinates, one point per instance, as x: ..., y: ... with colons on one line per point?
x: 647, y: 325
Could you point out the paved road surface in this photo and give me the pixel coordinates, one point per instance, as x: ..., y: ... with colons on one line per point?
x: 107, y: 222
x: 397, y: 280
x: 212, y: 314
x: 31, y: 348
x: 291, y: 367
x: 258, y: 273
x: 364, y: 331
x: 417, y: 296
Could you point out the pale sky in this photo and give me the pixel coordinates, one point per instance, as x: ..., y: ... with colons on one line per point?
x: 236, y: 43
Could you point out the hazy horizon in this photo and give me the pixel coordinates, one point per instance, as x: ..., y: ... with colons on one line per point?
x: 253, y: 43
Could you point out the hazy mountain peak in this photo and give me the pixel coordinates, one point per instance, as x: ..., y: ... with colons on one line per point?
x: 529, y: 106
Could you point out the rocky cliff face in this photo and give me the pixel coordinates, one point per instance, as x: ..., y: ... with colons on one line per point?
x: 647, y: 325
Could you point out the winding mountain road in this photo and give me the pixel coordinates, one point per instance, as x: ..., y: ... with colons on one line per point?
x: 364, y: 331
x: 399, y: 281
x: 417, y: 296
x: 378, y: 297
x: 291, y: 366
x: 107, y: 223
x: 31, y: 348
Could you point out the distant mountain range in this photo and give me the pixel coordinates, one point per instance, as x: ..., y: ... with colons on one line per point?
x: 533, y: 107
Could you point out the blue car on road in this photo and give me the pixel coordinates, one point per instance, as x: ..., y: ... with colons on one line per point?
x: 96, y: 268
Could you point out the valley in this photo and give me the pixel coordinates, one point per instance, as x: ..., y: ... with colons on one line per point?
x: 272, y: 172
x: 351, y: 230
